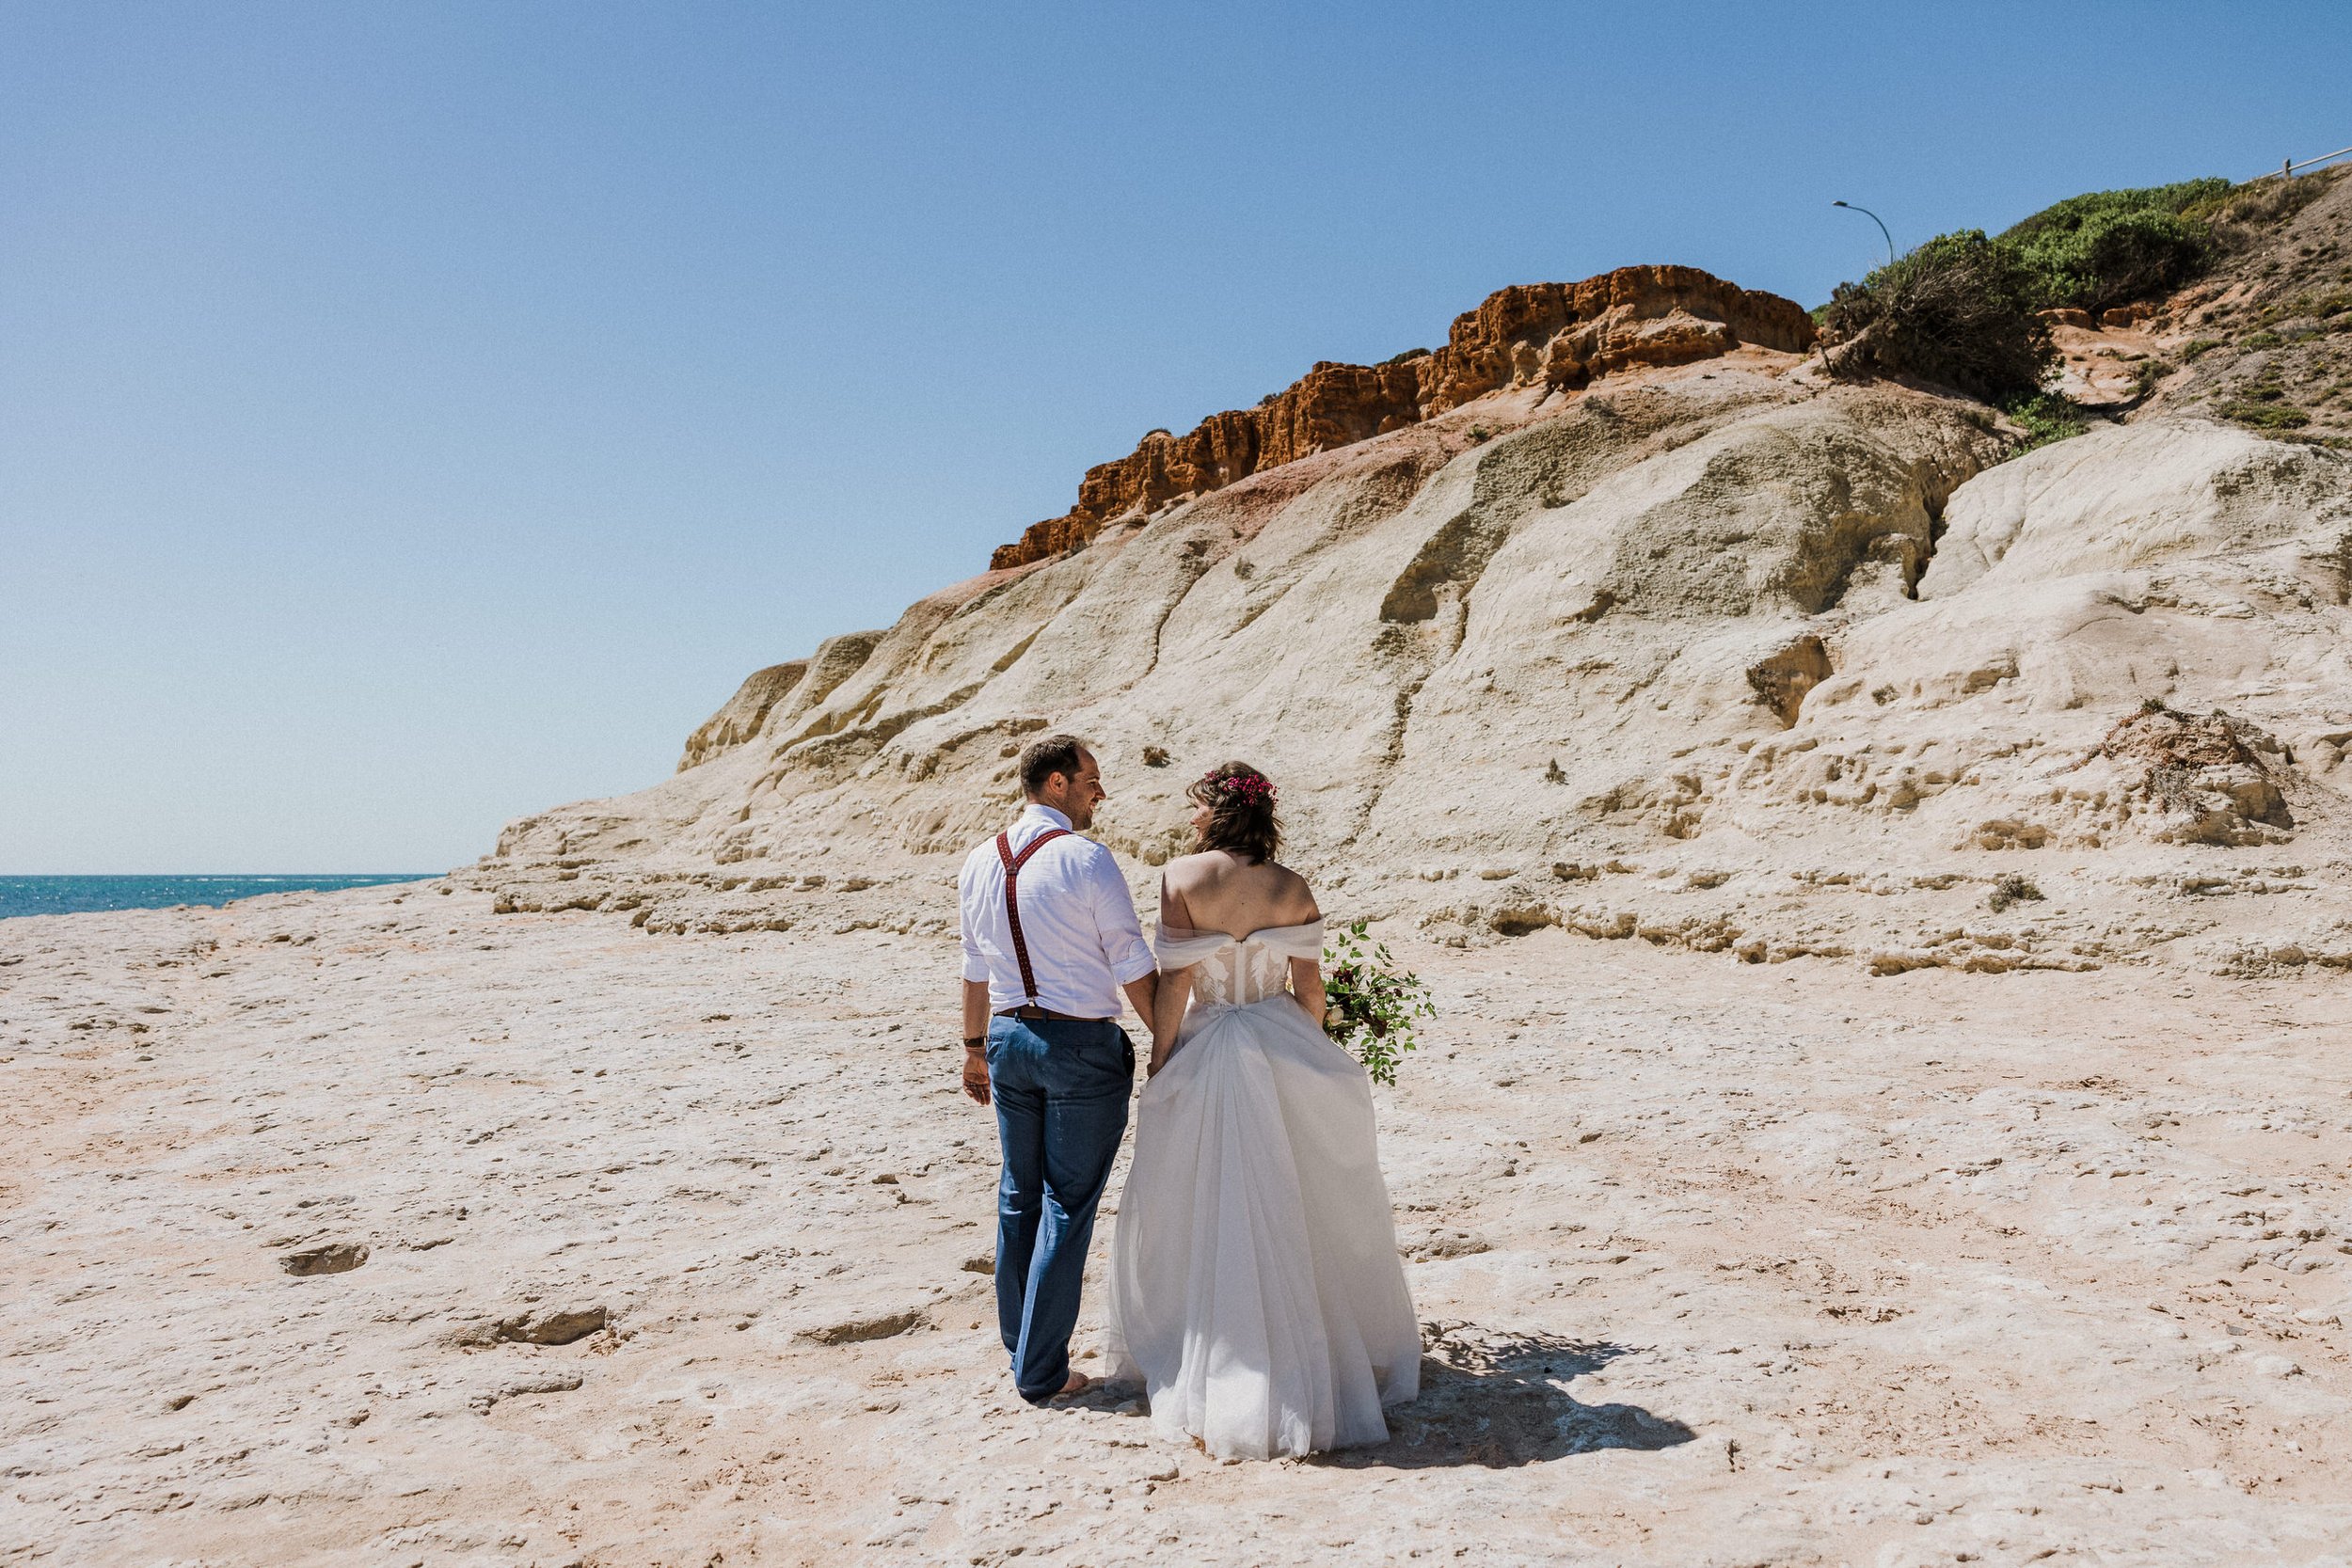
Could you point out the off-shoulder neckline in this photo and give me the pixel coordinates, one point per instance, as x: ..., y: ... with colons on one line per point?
x: 1191, y: 935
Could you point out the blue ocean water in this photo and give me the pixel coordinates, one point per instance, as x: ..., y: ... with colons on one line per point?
x: 80, y: 894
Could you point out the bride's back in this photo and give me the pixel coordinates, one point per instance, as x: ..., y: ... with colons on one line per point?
x: 1220, y: 891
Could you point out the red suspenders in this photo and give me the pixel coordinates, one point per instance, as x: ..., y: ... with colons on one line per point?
x: 1012, y: 904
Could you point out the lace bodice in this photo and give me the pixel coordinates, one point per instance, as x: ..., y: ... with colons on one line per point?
x: 1231, y: 971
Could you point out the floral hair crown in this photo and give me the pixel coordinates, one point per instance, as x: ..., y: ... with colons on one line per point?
x: 1246, y: 787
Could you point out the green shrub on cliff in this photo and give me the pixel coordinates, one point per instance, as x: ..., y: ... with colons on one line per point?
x: 2263, y: 414
x: 2109, y: 248
x: 2048, y: 417
x: 1961, y: 308
x: 1958, y: 310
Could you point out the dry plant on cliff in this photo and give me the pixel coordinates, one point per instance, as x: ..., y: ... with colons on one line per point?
x: 1959, y: 310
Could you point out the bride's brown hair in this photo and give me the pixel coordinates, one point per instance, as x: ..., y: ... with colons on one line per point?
x: 1241, y: 803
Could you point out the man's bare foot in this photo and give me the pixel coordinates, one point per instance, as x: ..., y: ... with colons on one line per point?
x: 1079, y: 1383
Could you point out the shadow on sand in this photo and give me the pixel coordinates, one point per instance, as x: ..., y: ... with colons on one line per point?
x: 1496, y: 1401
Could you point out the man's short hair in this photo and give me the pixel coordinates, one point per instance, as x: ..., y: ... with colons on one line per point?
x: 1047, y: 756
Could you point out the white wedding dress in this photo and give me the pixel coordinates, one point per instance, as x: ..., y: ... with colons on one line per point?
x: 1255, y: 1288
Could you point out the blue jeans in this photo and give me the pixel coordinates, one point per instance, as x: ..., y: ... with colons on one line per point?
x: 1061, y: 1090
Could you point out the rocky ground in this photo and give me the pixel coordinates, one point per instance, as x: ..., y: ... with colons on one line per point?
x: 377, y: 1228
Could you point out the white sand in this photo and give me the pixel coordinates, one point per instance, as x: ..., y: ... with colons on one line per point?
x: 1722, y: 1264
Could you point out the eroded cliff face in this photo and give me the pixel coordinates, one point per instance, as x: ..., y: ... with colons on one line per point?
x: 740, y: 718
x: 1560, y: 335
x: 1718, y: 654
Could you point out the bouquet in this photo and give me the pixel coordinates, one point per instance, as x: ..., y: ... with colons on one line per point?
x: 1370, y: 1003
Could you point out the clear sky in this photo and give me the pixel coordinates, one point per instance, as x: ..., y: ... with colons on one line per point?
x: 413, y: 414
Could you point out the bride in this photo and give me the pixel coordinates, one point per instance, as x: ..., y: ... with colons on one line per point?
x: 1255, y: 1289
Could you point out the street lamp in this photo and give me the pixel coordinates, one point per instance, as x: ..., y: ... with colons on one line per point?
x: 1874, y: 218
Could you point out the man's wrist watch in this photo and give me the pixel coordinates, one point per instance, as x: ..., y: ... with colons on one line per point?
x: 976, y: 1042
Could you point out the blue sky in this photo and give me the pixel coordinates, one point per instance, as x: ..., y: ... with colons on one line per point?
x: 415, y: 414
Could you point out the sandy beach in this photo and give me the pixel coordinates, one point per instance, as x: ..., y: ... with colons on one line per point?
x: 376, y: 1227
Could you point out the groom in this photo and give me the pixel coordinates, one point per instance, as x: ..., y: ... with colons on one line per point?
x: 1050, y: 939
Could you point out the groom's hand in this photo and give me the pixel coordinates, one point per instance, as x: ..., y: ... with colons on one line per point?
x: 976, y: 1027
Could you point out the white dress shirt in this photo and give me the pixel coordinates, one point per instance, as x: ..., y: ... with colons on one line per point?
x: 1076, y: 915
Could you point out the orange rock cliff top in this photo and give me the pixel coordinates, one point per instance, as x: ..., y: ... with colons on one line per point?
x: 1558, y: 334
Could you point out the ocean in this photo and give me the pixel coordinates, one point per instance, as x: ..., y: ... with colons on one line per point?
x: 80, y: 894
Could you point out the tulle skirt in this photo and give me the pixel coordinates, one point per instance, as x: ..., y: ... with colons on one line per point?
x: 1255, y: 1288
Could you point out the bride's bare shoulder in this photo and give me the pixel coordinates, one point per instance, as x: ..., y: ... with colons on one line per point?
x: 1293, y: 893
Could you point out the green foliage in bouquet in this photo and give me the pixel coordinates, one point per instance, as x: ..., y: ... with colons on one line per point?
x: 1371, y: 1003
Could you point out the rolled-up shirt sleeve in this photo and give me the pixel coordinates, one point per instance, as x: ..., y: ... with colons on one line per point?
x: 1114, y: 922
x: 967, y: 920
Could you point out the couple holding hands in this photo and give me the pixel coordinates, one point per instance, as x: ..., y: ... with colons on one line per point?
x: 1255, y: 1290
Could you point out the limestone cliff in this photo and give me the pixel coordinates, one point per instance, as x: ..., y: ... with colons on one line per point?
x: 1632, y: 623
x: 743, y: 714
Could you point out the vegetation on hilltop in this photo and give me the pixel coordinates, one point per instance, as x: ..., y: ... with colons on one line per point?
x: 1958, y: 310
x: 2110, y: 247
x: 1972, y: 311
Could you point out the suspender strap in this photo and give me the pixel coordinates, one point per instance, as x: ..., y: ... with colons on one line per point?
x: 1013, y: 899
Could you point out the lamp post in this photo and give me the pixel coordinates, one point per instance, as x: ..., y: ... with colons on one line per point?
x: 1874, y: 218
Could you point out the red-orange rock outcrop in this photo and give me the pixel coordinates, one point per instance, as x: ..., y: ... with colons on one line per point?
x: 1561, y: 334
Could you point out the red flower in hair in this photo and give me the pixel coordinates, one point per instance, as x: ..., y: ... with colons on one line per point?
x: 1251, y: 788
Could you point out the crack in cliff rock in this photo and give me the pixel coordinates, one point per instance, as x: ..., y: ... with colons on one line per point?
x: 1395, y: 642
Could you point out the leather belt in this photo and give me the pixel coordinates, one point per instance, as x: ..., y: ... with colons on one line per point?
x: 1031, y: 1011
